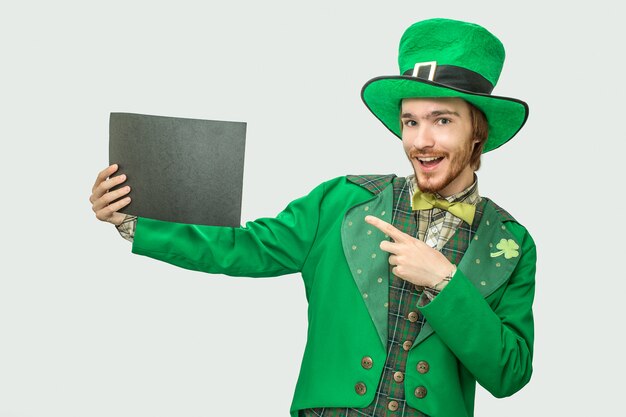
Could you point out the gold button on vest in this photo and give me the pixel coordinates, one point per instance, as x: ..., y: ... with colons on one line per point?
x: 398, y: 376
x: 393, y: 405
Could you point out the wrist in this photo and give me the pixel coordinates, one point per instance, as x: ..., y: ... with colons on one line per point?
x: 442, y: 282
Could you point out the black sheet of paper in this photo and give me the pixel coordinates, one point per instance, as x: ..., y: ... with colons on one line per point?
x: 180, y: 170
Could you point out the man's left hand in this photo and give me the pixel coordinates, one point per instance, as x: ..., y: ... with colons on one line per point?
x: 413, y: 260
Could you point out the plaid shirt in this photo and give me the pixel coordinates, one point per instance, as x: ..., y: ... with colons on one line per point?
x: 404, y: 321
x: 127, y: 227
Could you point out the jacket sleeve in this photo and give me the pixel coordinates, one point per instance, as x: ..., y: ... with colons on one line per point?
x: 495, y: 343
x: 262, y: 248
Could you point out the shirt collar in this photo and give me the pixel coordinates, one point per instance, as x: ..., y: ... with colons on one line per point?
x: 469, y: 195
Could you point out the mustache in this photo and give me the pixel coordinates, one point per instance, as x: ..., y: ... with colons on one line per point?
x: 415, y: 153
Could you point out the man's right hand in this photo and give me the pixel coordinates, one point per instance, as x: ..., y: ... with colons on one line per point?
x: 101, y: 197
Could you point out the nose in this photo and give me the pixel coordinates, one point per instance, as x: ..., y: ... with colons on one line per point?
x: 422, y: 138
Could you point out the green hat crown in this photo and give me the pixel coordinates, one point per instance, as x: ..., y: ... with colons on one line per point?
x: 440, y: 58
x: 452, y: 42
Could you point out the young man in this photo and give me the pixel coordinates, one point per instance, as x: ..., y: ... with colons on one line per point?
x: 423, y: 286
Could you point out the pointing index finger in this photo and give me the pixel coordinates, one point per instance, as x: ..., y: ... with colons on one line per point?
x: 386, y: 228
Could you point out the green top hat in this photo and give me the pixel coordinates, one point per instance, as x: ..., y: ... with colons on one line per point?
x: 448, y: 58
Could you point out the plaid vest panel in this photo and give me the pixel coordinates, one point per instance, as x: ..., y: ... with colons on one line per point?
x: 405, y: 322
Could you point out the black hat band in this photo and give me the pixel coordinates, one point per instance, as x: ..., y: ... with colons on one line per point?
x: 451, y: 76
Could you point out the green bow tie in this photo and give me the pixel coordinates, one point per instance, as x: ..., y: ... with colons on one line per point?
x: 426, y: 201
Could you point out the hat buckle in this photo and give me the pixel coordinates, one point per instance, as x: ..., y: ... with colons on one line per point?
x: 431, y: 72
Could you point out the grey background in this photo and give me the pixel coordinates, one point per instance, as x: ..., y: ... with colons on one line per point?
x: 87, y: 329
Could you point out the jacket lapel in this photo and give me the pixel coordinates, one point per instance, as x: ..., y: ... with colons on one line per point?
x: 368, y: 263
x: 485, y: 264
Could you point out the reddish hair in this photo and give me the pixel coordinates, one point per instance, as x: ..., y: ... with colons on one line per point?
x: 480, y: 132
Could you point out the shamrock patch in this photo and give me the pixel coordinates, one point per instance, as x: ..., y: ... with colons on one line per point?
x: 508, y: 248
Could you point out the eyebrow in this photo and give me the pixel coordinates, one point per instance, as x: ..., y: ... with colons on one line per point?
x: 431, y: 115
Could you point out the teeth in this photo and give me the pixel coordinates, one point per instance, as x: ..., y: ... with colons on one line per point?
x: 429, y: 159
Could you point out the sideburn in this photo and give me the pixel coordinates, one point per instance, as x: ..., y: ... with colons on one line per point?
x: 480, y: 132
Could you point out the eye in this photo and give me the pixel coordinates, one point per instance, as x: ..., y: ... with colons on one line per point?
x: 443, y: 121
x: 409, y: 123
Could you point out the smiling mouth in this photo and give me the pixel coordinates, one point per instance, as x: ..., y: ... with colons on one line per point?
x: 429, y: 162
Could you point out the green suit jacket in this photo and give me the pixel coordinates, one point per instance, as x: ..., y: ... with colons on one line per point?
x: 479, y: 328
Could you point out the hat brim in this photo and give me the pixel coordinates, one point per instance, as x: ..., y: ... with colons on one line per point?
x: 383, y: 97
